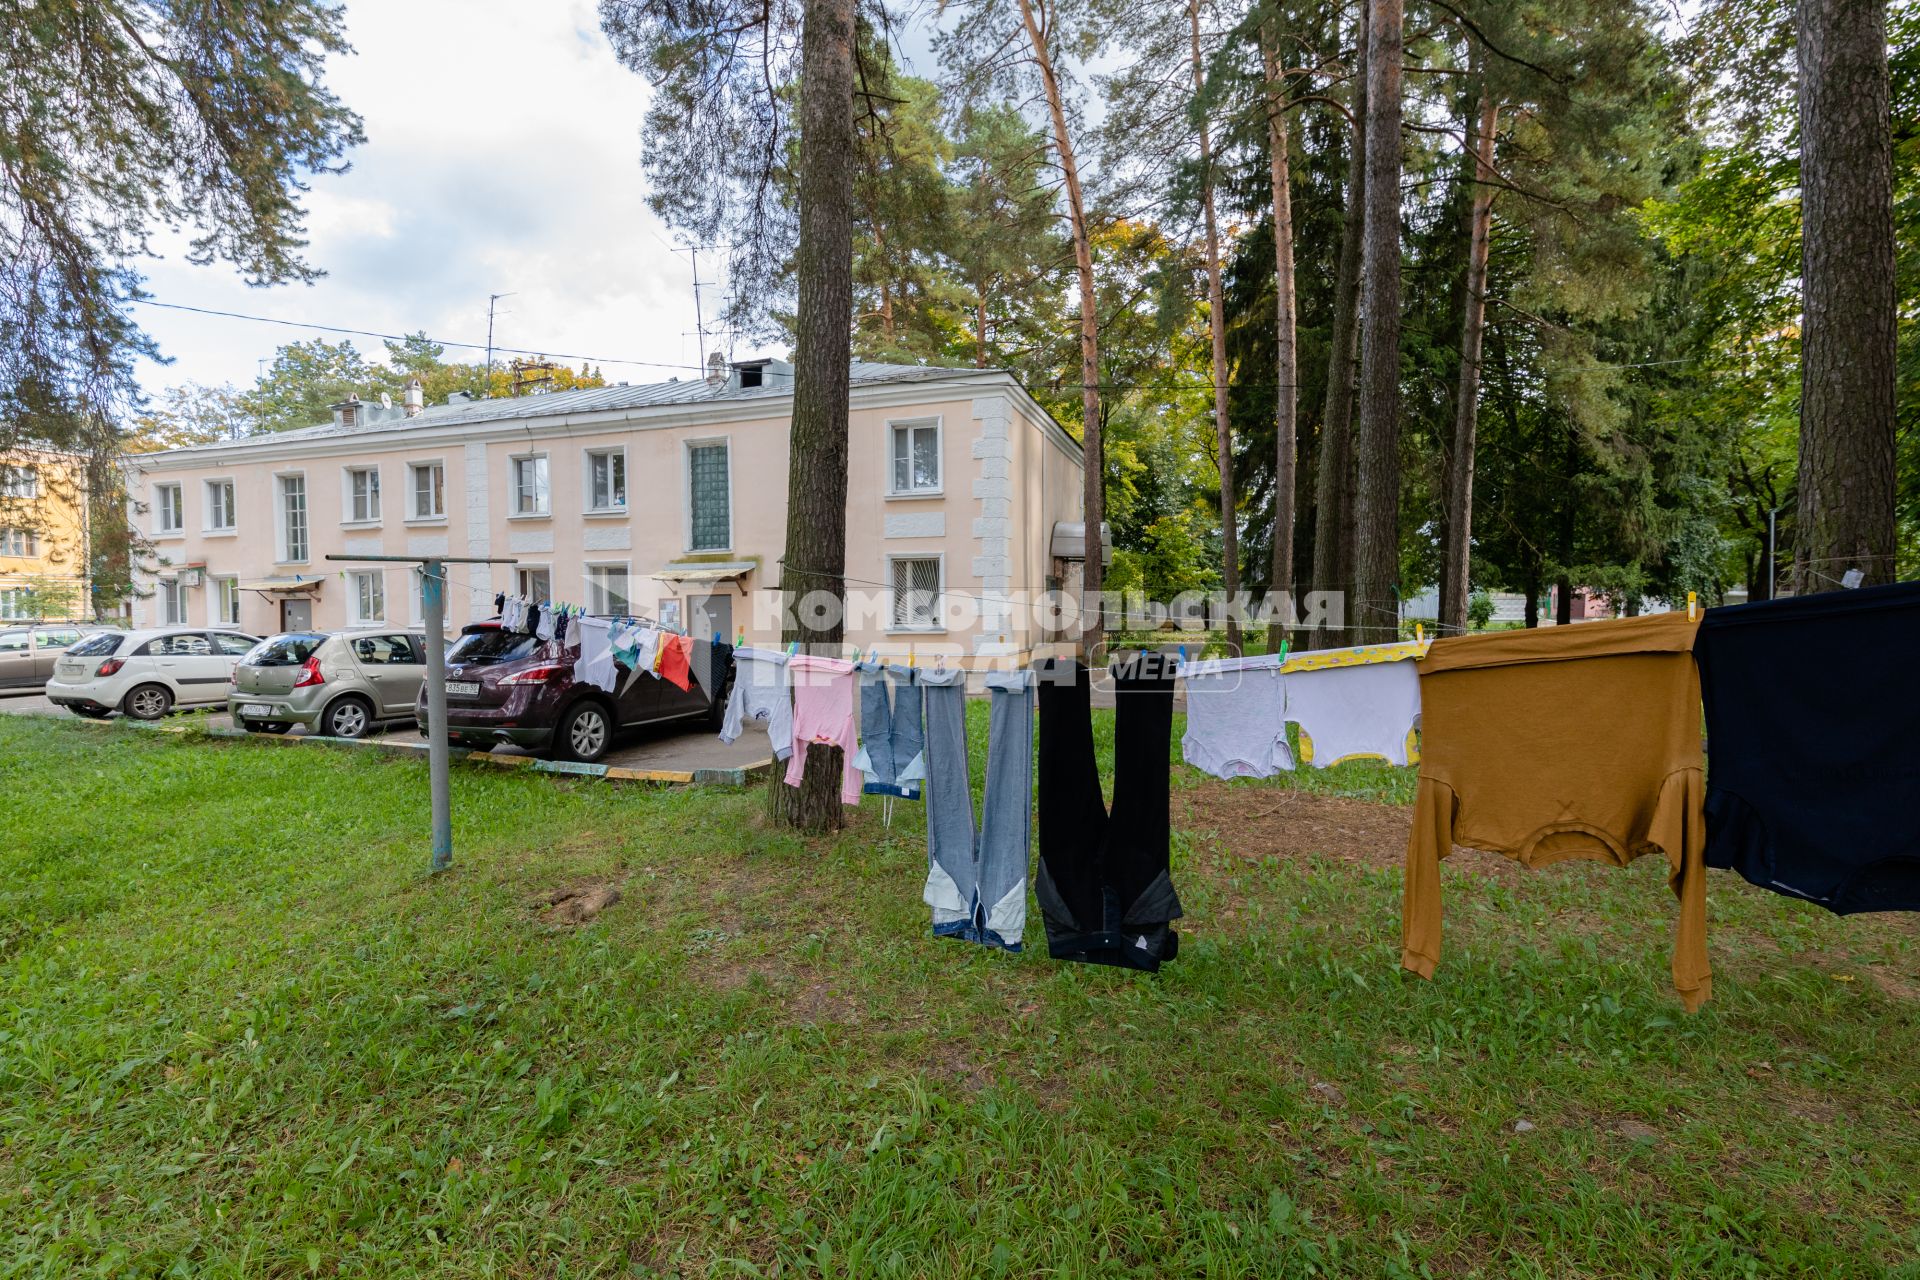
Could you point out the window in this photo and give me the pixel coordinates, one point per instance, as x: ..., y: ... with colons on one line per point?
x: 709, y: 502
x: 104, y: 645
x: 387, y: 651
x: 916, y: 593
x: 916, y: 457
x: 363, y: 495
x: 55, y: 639
x: 219, y: 506
x: 167, y: 501
x: 19, y: 542
x: 226, y: 602
x: 16, y: 605
x: 607, y: 589
x: 188, y: 644
x: 536, y: 584
x: 286, y: 651
x: 12, y: 641
x: 429, y: 490
x: 232, y: 646
x: 367, y: 595
x: 19, y: 482
x: 173, y: 602
x: 293, y: 519
x: 607, y: 480
x: 530, y: 486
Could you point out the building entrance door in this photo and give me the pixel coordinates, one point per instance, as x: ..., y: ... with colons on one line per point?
x: 296, y: 614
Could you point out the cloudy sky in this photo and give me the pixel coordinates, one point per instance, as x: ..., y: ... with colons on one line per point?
x: 502, y: 156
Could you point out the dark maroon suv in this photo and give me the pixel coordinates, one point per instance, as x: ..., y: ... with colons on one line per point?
x: 503, y: 686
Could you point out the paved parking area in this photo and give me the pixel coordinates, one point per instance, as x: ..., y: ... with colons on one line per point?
x: 669, y: 747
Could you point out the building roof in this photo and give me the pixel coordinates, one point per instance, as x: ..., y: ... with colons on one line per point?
x: 689, y: 391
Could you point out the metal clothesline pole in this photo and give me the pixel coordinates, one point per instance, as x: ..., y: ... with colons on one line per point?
x: 433, y: 601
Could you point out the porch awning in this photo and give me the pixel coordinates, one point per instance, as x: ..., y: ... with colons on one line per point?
x: 284, y: 584
x: 707, y: 571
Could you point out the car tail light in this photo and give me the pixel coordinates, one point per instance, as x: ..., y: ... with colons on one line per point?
x: 544, y: 674
x: 310, y: 675
x: 110, y: 666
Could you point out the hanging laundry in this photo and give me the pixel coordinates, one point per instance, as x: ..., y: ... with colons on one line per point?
x: 676, y: 661
x: 543, y: 628
x: 1563, y: 742
x: 639, y: 647
x: 760, y: 693
x: 595, y: 666
x: 500, y: 603
x: 1814, y: 782
x: 1104, y: 886
x: 1360, y: 702
x: 891, y: 738
x: 1236, y: 717
x: 823, y: 690
x: 977, y: 881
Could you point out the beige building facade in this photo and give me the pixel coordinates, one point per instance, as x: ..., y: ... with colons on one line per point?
x: 666, y: 500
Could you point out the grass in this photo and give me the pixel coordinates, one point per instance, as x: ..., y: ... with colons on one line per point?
x: 242, y: 1033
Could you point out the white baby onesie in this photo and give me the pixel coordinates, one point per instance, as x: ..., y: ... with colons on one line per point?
x: 1359, y: 710
x: 1236, y: 717
x: 760, y: 692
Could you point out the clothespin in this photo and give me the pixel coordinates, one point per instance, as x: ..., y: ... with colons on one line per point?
x: 793, y: 647
x: 1693, y: 605
x: 716, y: 638
x: 1419, y: 633
x: 740, y: 640
x: 1284, y: 643
x: 1183, y: 655
x: 909, y: 657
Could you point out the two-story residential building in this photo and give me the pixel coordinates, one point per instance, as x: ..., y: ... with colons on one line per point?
x: 43, y: 536
x: 666, y: 500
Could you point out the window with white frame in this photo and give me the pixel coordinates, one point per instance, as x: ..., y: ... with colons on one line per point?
x: 916, y: 593
x: 219, y: 506
x: 607, y: 589
x: 530, y: 497
x: 367, y: 595
x: 226, y: 602
x: 429, y: 490
x: 363, y: 495
x: 16, y: 605
x: 534, y: 582
x: 709, y: 498
x: 916, y: 457
x: 19, y: 482
x: 169, y: 507
x: 293, y: 519
x: 416, y: 595
x: 607, y: 480
x: 172, y: 598
x: 19, y: 542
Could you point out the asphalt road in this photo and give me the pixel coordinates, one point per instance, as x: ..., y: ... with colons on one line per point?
x: 665, y: 747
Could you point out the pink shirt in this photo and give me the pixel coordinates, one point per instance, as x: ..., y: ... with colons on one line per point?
x: 823, y: 700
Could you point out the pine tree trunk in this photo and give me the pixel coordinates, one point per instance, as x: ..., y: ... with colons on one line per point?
x: 1333, y: 490
x: 1847, y: 338
x: 1454, y: 583
x: 1094, y: 462
x: 816, y: 554
x: 1286, y: 409
x: 1217, y: 330
x: 1376, y: 499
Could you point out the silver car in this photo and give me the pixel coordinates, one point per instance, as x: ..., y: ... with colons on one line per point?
x: 340, y: 684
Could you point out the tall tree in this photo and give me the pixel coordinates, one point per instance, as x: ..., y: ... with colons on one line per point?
x: 1217, y: 332
x: 1286, y: 409
x: 123, y: 119
x: 1849, y: 330
x: 1373, y: 602
x: 1454, y: 577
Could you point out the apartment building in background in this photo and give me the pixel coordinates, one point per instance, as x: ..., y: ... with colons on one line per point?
x: 666, y: 500
x: 43, y: 537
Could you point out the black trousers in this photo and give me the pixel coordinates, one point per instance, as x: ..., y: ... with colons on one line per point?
x: 1106, y: 894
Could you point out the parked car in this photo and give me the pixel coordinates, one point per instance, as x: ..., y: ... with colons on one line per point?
x: 505, y: 687
x: 340, y: 684
x: 27, y: 653
x: 148, y: 673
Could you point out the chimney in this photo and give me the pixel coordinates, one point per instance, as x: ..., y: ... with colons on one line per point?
x: 416, y: 398
x: 347, y: 413
x: 717, y: 372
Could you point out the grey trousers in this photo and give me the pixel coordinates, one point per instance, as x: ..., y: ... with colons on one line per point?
x: 977, y: 878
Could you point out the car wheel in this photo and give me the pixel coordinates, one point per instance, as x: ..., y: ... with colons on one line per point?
x: 347, y: 718
x: 91, y: 713
x: 148, y: 702
x: 585, y: 733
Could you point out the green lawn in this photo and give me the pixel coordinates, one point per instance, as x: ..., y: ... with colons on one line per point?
x: 242, y: 1033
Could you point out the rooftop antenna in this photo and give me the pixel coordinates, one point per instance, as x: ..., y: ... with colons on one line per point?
x: 487, y: 389
x: 699, y: 311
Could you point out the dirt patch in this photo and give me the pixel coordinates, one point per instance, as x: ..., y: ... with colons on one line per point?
x: 577, y: 904
x: 1274, y: 822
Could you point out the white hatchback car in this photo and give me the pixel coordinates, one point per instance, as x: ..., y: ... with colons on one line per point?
x: 147, y: 673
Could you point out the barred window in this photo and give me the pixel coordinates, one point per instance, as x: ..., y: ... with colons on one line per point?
x: 916, y: 593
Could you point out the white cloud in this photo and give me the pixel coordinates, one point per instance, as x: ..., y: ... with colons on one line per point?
x: 502, y: 156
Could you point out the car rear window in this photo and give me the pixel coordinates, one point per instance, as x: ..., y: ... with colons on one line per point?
x: 284, y: 651
x: 100, y: 646
x: 493, y: 645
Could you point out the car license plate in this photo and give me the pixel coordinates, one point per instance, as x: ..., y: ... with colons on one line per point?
x: 465, y: 687
x: 255, y: 709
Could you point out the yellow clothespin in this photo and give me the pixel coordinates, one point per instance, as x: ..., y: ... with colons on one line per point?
x: 1419, y: 634
x: 909, y: 657
x: 1693, y: 606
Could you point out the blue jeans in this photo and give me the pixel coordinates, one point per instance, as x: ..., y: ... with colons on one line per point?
x: 892, y: 744
x: 977, y: 879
